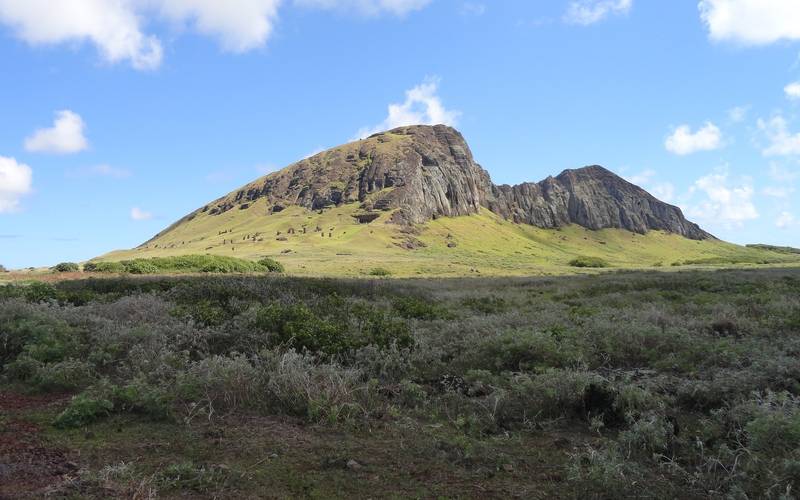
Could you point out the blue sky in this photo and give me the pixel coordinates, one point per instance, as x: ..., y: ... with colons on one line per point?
x: 119, y: 117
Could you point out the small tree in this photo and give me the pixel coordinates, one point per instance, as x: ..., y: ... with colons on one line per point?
x: 66, y: 267
x: 3, y: 269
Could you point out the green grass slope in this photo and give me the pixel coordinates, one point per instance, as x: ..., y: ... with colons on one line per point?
x: 334, y: 243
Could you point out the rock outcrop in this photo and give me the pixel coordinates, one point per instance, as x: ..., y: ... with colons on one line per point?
x: 424, y: 172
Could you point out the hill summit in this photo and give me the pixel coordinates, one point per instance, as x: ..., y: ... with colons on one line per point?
x: 420, y: 173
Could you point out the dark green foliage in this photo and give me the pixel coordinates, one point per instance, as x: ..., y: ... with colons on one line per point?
x: 271, y: 265
x: 83, y: 410
x: 419, y: 308
x: 486, y: 305
x: 213, y: 264
x: 588, y: 262
x: 330, y: 327
x: 66, y: 267
x: 104, y: 267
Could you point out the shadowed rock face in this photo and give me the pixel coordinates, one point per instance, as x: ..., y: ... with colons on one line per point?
x: 424, y: 172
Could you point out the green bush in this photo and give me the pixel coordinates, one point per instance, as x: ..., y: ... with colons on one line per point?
x: 64, y: 375
x: 141, y: 399
x: 104, y: 267
x: 39, y: 291
x: 83, y: 410
x: 588, y: 262
x: 66, y: 267
x: 271, y: 265
x: 140, y: 266
x: 330, y: 329
x: 380, y: 271
x: 215, y: 264
x: 419, y: 308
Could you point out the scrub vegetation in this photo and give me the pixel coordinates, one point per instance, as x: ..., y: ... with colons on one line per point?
x: 676, y: 384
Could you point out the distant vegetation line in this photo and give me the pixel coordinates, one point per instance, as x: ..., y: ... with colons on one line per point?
x: 177, y: 264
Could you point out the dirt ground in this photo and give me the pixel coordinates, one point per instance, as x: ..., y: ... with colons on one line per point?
x: 28, y: 466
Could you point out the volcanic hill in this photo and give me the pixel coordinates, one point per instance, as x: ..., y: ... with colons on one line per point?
x: 413, y: 201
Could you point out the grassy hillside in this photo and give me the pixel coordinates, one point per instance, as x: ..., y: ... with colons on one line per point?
x: 334, y: 243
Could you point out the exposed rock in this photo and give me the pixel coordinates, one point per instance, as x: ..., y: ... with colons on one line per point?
x: 424, y: 172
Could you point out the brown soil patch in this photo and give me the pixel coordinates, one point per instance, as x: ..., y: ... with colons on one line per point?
x: 28, y: 466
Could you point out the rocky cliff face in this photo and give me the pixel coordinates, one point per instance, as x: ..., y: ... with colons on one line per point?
x: 424, y: 172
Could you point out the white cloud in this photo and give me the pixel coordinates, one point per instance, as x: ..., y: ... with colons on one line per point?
x: 664, y: 191
x: 781, y: 141
x: 473, y: 9
x: 751, y: 22
x: 723, y: 203
x: 683, y: 141
x: 240, y: 25
x: 100, y: 171
x: 16, y: 180
x: 777, y: 191
x: 586, y: 12
x: 642, y: 177
x: 138, y: 214
x: 64, y: 137
x: 367, y: 7
x: 792, y: 90
x: 738, y: 114
x: 112, y: 26
x: 421, y: 107
x: 115, y: 27
x: 785, y: 220
x: 782, y: 174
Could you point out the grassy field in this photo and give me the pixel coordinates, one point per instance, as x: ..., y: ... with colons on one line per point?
x: 333, y: 243
x: 625, y: 384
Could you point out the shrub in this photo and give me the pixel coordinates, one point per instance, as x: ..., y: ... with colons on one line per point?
x: 339, y: 331
x: 301, y: 386
x: 221, y: 384
x: 40, y: 292
x: 486, y: 305
x: 84, y: 409
x: 185, y: 264
x: 380, y: 271
x: 299, y: 327
x: 271, y: 265
x: 104, y: 267
x: 189, y: 476
x: 66, y: 267
x: 419, y: 308
x: 59, y: 376
x: 648, y: 435
x: 140, y: 266
x: 141, y: 399
x: 588, y: 262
